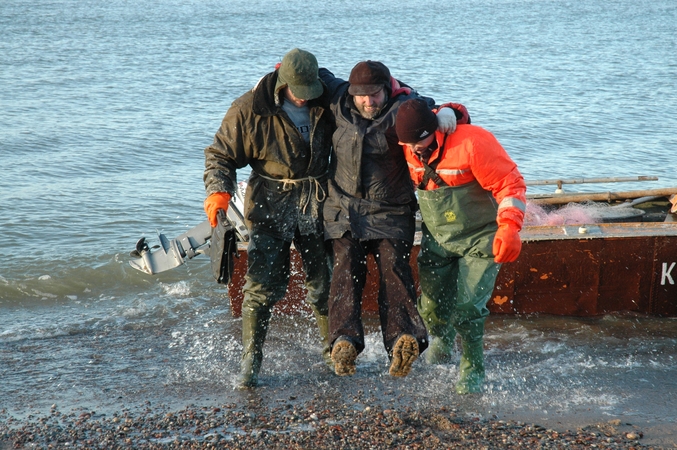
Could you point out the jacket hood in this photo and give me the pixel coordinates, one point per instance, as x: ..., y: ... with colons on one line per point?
x: 396, y: 89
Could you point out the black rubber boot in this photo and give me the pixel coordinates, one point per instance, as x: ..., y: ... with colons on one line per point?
x: 254, y: 330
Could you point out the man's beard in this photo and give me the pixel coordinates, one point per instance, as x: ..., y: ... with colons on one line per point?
x: 371, y: 114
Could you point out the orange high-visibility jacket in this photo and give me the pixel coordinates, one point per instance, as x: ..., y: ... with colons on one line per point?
x: 473, y: 153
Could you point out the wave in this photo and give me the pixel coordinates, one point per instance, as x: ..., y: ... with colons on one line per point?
x: 36, y: 281
x: 103, y: 295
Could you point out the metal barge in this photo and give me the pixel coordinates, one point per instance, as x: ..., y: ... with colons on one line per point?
x: 625, y: 262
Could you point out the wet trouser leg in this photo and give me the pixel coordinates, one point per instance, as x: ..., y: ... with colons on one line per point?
x: 476, y: 280
x: 397, y: 293
x: 265, y: 284
x: 396, y: 299
x: 455, y: 291
x: 437, y: 302
x: 349, y: 276
x: 317, y: 267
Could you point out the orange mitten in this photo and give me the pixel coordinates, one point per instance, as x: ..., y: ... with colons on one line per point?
x: 507, y: 243
x: 212, y: 204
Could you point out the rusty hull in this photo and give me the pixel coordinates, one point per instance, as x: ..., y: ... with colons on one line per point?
x: 562, y: 270
x: 605, y: 268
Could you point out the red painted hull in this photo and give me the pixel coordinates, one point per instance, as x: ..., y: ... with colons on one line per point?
x: 614, y: 267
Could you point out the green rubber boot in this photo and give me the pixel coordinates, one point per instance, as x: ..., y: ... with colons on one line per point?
x: 254, y: 330
x: 440, y: 349
x: 471, y: 369
x: 323, y: 327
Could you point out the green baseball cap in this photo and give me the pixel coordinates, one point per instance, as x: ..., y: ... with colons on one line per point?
x: 299, y: 71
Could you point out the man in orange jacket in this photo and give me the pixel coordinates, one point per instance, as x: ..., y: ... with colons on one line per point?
x: 472, y: 200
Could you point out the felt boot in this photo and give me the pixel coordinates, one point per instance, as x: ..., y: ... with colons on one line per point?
x: 344, y: 355
x: 471, y: 369
x: 404, y: 354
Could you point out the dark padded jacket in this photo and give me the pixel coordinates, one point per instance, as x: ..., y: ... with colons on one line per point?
x: 370, y: 192
x: 287, y: 184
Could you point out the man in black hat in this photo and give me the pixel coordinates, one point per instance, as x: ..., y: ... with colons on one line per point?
x: 282, y: 129
x: 370, y: 210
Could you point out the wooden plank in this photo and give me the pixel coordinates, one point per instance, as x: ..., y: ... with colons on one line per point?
x: 559, y: 199
x: 560, y: 182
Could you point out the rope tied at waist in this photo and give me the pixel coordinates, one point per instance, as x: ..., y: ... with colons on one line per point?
x: 320, y: 194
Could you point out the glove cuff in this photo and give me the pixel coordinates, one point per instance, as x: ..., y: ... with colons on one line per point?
x: 512, y: 217
x: 216, y: 200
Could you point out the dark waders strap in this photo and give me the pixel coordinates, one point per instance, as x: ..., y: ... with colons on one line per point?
x: 429, y: 170
x: 430, y: 174
x: 222, y: 249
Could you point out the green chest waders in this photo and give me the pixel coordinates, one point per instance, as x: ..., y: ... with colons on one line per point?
x: 457, y: 271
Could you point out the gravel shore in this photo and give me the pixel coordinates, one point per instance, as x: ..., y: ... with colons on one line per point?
x: 316, y: 424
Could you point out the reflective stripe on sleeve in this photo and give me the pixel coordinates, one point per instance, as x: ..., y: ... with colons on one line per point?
x: 514, y: 202
x: 452, y: 172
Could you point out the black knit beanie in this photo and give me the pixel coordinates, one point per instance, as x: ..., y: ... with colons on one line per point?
x: 415, y: 121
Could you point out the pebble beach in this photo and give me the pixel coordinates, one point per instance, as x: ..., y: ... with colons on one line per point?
x: 320, y: 423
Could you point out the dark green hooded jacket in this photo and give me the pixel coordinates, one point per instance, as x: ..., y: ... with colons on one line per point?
x: 257, y: 132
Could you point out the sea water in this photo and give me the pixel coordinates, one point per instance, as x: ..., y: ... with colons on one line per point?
x: 106, y: 107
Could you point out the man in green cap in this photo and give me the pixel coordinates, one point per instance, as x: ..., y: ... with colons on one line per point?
x: 282, y: 129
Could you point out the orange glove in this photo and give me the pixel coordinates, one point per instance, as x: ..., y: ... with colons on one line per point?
x: 507, y: 243
x: 212, y: 204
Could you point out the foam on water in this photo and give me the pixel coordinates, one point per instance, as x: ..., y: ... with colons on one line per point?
x: 529, y: 372
x: 180, y: 289
x: 209, y: 356
x: 538, y: 369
